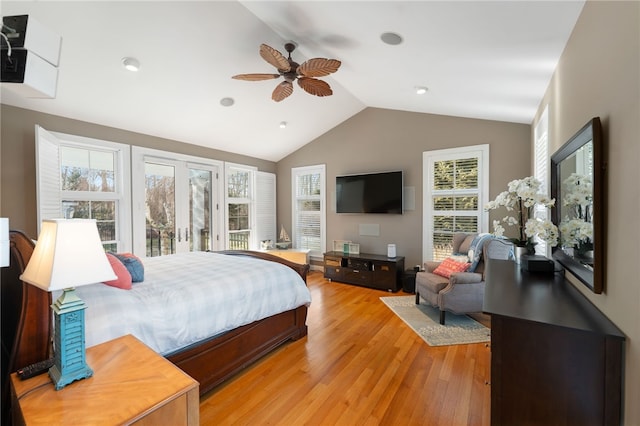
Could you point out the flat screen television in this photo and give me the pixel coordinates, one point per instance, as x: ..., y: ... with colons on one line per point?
x: 369, y: 193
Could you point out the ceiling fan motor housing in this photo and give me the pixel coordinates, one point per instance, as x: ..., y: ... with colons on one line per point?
x: 292, y: 74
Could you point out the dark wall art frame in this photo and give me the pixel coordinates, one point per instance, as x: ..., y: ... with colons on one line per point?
x: 592, y: 274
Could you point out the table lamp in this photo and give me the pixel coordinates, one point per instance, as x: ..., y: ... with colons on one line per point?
x: 68, y: 254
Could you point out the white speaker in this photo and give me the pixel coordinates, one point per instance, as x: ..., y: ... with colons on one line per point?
x: 32, y: 68
x: 391, y: 250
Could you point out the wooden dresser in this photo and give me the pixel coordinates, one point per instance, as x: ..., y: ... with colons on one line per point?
x: 131, y: 384
x: 555, y: 358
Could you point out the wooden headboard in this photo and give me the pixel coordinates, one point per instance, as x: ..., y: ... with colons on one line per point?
x: 26, y: 327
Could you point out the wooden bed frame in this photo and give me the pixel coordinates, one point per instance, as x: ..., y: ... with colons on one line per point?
x: 26, y: 327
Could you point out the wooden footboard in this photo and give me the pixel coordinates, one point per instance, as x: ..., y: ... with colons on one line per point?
x: 213, y: 361
x: 26, y: 328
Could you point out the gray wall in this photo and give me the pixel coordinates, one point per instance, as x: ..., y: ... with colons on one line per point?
x: 381, y: 140
x: 18, y: 168
x: 599, y: 76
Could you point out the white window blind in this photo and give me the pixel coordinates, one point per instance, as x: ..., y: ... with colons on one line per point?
x: 541, y: 171
x: 308, y: 195
x: 266, y: 206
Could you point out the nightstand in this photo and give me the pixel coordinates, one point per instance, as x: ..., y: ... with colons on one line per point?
x: 130, y: 384
x: 294, y: 255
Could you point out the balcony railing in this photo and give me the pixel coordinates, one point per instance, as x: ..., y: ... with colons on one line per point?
x: 239, y: 240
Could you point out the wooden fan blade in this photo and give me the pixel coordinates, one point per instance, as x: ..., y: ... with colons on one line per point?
x: 319, y: 67
x: 255, y: 77
x: 315, y: 87
x: 275, y: 58
x: 282, y: 91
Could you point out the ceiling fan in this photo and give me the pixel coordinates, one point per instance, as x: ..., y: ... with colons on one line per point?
x: 291, y: 71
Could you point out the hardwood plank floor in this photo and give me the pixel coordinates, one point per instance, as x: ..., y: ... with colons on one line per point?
x: 359, y: 365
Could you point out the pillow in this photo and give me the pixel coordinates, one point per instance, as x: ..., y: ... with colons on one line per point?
x: 475, y: 250
x: 124, y: 277
x: 450, y: 266
x: 466, y: 244
x: 460, y: 258
x: 133, y: 264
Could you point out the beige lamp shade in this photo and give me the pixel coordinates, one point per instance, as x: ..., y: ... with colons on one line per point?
x: 68, y: 254
x: 4, y: 242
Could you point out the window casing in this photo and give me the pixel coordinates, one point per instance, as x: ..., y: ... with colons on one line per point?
x: 455, y: 192
x: 308, y: 209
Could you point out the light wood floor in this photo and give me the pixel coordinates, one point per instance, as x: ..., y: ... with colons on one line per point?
x: 359, y: 365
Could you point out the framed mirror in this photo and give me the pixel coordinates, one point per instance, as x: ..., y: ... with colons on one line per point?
x: 577, y: 184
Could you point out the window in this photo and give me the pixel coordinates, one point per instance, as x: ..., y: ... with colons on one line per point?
x: 85, y: 178
x: 455, y: 192
x: 541, y: 172
x: 240, y: 206
x: 153, y: 202
x: 308, y: 204
x: 176, y: 204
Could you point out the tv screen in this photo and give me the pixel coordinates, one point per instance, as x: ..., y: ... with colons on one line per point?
x: 369, y: 193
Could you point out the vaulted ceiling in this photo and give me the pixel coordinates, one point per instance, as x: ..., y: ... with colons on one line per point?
x: 478, y: 59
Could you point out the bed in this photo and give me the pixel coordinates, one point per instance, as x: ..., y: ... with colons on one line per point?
x: 210, y: 359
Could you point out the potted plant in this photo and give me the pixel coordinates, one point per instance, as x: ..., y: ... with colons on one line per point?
x: 521, y: 197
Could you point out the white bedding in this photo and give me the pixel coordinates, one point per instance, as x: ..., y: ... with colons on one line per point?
x: 188, y: 297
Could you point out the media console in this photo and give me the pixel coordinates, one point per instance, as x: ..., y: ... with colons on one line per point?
x: 369, y: 270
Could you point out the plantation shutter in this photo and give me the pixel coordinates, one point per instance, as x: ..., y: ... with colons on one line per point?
x: 541, y: 172
x: 455, y: 200
x: 308, y: 209
x: 49, y: 197
x: 265, y: 206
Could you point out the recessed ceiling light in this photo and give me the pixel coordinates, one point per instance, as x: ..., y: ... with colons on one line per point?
x: 421, y: 90
x: 283, y: 124
x: 131, y: 64
x: 227, y: 102
x: 391, y: 38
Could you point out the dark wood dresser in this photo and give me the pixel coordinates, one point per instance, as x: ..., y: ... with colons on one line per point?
x: 555, y: 358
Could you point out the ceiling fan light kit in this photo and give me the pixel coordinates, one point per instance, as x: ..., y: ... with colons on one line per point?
x: 291, y: 71
x: 131, y: 64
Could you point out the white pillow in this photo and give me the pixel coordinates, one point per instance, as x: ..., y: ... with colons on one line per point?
x: 460, y: 258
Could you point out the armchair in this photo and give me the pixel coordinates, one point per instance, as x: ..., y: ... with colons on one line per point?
x: 461, y: 292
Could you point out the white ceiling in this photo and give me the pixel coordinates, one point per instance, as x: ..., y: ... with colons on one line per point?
x: 479, y: 59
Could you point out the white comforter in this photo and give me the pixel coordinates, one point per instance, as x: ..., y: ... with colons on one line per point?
x: 191, y: 296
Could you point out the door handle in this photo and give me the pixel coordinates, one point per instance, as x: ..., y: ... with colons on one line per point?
x: 179, y: 235
x: 186, y: 234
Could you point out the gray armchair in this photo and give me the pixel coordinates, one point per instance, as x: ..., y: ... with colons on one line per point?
x: 462, y: 292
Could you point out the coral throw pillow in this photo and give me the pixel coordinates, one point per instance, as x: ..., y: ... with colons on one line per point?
x: 450, y: 266
x: 124, y: 277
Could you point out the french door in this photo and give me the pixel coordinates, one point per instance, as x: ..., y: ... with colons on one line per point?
x: 175, y: 205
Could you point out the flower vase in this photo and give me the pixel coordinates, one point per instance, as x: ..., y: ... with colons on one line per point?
x: 519, y: 251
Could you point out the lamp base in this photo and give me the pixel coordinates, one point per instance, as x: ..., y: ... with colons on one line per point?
x: 63, y: 378
x: 70, y: 356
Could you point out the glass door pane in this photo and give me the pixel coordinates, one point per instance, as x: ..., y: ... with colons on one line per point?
x: 200, y: 219
x: 160, y: 185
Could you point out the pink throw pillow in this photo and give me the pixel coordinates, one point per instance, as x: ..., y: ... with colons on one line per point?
x: 124, y: 277
x: 450, y: 266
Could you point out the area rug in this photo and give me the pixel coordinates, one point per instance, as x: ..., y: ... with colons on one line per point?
x: 425, y: 320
